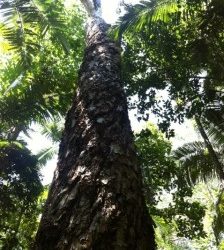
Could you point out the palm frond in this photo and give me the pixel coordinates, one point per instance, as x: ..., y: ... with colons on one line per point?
x: 5, y: 46
x: 217, y: 135
x: 195, y: 162
x: 189, y: 150
x: 46, y: 154
x: 17, y: 32
x: 218, y: 223
x: 145, y: 14
x: 25, y: 24
x: 10, y: 144
x: 148, y: 14
x: 53, y: 129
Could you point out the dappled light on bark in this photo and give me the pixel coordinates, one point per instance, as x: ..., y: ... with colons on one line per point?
x: 96, y: 200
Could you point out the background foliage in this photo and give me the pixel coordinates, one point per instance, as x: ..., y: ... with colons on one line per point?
x: 172, y: 67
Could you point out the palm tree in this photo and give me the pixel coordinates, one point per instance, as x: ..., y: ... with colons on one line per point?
x: 215, y: 159
x: 201, y: 161
x: 37, y: 75
x: 96, y: 199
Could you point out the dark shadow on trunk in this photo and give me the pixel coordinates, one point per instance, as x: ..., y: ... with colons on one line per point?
x: 96, y: 200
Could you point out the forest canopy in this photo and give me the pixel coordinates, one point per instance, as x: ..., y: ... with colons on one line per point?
x: 172, y: 69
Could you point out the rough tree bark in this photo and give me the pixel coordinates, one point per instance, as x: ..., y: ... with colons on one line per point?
x: 96, y: 200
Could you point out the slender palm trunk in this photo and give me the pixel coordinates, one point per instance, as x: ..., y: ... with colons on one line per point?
x: 218, y: 164
x: 219, y: 168
x: 95, y: 200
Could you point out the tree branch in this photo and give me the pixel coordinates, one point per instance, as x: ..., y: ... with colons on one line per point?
x: 93, y: 7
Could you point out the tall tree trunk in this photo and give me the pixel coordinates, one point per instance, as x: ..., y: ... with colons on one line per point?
x: 95, y: 200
